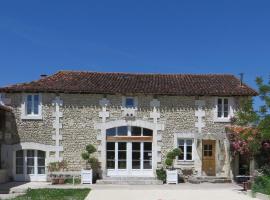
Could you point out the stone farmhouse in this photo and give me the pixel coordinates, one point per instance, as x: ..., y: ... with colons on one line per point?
x: 132, y: 119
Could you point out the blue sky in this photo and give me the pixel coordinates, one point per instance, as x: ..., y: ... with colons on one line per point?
x: 181, y: 36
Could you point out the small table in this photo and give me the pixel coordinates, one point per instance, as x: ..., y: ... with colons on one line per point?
x: 243, y: 178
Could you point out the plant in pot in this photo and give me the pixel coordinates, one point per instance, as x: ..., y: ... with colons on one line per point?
x: 54, y: 168
x: 171, y: 173
x: 92, y: 165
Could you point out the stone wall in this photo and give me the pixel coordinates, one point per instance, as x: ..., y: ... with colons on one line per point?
x: 81, y: 112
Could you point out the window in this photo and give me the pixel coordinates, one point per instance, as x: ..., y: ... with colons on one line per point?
x: 32, y: 106
x: 186, y: 147
x: 118, y: 131
x: 222, y: 108
x: 129, y: 102
x: 138, y: 131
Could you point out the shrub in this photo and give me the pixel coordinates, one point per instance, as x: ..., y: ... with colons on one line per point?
x: 171, y: 155
x: 57, y: 166
x: 169, y: 162
x: 87, y: 156
x: 262, y: 185
x: 161, y: 175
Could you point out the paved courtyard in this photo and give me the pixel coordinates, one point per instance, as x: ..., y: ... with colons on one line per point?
x: 204, y: 191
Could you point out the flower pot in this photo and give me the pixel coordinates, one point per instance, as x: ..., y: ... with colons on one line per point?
x: 55, y: 181
x: 172, y: 176
x: 86, y: 176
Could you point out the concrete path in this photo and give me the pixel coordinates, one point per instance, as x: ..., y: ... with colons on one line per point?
x: 186, y: 191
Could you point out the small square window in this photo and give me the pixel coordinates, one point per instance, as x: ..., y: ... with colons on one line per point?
x: 129, y: 102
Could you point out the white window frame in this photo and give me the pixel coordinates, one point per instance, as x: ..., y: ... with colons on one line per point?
x: 185, y: 149
x: 32, y: 116
x: 230, y: 110
x: 30, y: 177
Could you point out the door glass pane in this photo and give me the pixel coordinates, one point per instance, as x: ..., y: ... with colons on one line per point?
x: 205, y: 150
x: 136, y: 155
x: 147, y: 155
x: 110, y: 164
x: 136, y: 131
x: 122, y: 131
x: 41, y: 162
x: 136, y: 146
x: 136, y: 164
x: 122, y: 164
x: 147, y: 164
x: 122, y: 155
x: 110, y: 155
x: 210, y: 150
x: 147, y: 160
x: 110, y: 145
x: 147, y: 132
x: 30, y: 162
x: 19, y: 162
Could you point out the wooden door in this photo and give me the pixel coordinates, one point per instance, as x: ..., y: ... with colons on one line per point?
x: 209, y: 155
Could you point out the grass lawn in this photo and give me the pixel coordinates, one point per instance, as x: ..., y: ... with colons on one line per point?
x: 54, y: 194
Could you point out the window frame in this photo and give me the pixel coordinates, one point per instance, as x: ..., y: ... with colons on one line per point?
x: 185, y: 149
x: 230, y: 110
x: 33, y: 116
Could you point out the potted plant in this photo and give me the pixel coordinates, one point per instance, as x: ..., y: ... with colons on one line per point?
x: 92, y: 165
x: 171, y: 173
x: 54, y: 168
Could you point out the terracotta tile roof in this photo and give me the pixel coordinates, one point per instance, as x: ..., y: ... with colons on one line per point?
x: 127, y: 83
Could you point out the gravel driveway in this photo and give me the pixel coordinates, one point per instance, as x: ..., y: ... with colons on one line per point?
x: 186, y: 191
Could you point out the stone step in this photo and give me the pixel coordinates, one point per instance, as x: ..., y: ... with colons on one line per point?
x: 130, y: 181
x: 209, y: 179
x: 128, y: 178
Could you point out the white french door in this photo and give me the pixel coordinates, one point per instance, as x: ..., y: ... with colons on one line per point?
x: 129, y: 158
x: 30, y: 165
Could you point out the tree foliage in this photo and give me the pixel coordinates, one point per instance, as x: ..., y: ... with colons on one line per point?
x: 253, y: 135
